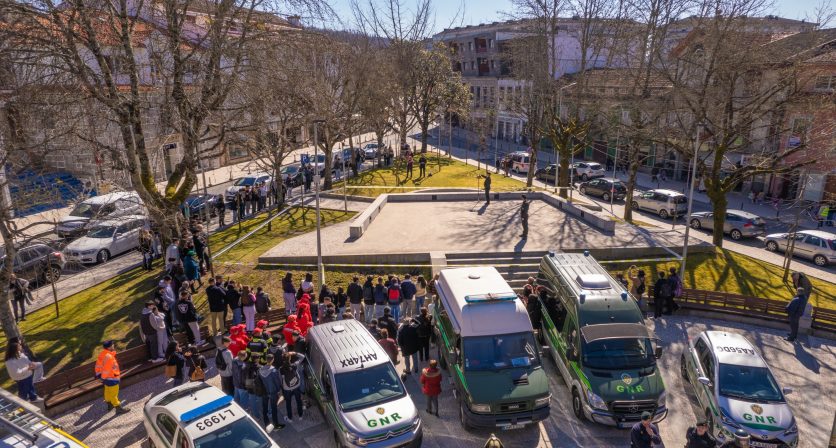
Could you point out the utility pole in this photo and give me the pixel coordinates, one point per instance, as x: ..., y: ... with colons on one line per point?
x: 690, y: 203
x: 319, y: 268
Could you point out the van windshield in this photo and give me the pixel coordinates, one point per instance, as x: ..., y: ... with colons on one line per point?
x: 626, y: 353
x: 502, y: 351
x: 368, y: 387
x: 85, y: 210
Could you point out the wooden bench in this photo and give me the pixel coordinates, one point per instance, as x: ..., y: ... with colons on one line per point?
x: 824, y: 319
x: 730, y: 303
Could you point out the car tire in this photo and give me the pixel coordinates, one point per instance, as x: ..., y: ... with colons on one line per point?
x: 577, y: 405
x: 736, y: 234
x: 584, y: 177
x: 696, y: 224
x: 51, y: 274
x: 103, y: 256
x: 683, y: 367
x: 605, y: 197
x: 466, y: 426
x: 820, y: 260
x: 663, y: 214
x: 634, y: 205
x: 772, y: 246
x: 583, y: 191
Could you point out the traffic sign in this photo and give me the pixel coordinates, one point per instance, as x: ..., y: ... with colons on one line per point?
x: 305, y: 159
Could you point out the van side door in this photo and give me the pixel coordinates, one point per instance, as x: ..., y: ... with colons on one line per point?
x: 327, y: 395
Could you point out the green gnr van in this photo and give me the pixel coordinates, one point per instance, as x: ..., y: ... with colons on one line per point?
x: 596, y: 334
x: 487, y: 344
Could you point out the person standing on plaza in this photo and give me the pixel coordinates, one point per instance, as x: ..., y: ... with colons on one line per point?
x: 524, y: 217
x: 220, y: 209
x: 223, y: 362
x: 795, y: 310
x: 149, y: 333
x: 269, y: 377
x: 409, y: 344
x: 409, y: 164
x: 389, y: 345
x: 388, y: 322
x: 662, y: 293
x: 195, y: 364
x: 645, y: 434
x: 175, y: 362
x: 408, y: 291
x: 381, y: 296
x: 22, y: 371
x: 262, y: 300
x: 431, y: 386
x: 264, y: 195
x: 291, y: 380
x: 368, y: 299
x: 187, y: 310
x: 487, y: 185
x: 158, y: 323
x: 824, y: 212
x: 307, y: 286
x: 799, y: 280
x: 239, y: 364
x: 172, y: 255
x: 248, y: 307
x: 216, y: 296
x: 355, y: 296
x: 233, y: 301
x: 394, y: 296
x: 107, y: 370
x: 166, y: 300
x: 425, y: 330
x: 637, y: 286
x: 420, y: 293
x: 678, y: 289
x: 289, y: 292
x: 699, y: 437
x: 255, y: 199
x: 21, y: 294
x: 146, y: 248
x: 192, y: 270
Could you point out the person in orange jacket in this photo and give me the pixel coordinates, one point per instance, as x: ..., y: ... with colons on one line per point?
x: 303, y: 314
x: 107, y: 370
x: 291, y: 326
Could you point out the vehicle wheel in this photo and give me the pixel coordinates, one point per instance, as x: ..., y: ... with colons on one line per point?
x: 462, y: 419
x: 772, y: 246
x: 103, y: 256
x: 606, y: 197
x: 634, y: 205
x: 696, y: 224
x: 683, y: 369
x: 736, y: 234
x: 441, y: 360
x: 820, y: 260
x: 663, y: 214
x: 584, y: 177
x: 577, y: 405
x: 583, y: 190
x: 52, y: 274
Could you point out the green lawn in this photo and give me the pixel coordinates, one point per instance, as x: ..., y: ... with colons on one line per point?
x: 452, y: 174
x: 111, y: 310
x: 736, y: 273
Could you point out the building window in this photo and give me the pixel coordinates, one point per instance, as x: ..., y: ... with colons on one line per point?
x: 236, y: 151
x: 826, y: 82
x: 490, y: 43
x: 798, y: 132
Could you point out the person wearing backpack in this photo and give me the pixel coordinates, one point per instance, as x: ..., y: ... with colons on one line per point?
x: 662, y: 293
x: 174, y: 363
x: 223, y: 362
x: 262, y: 300
x: 259, y: 393
x: 195, y: 364
x: 394, y: 297
x: 289, y: 374
x: 269, y: 378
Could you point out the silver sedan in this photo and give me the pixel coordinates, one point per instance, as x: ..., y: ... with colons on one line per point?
x: 739, y: 224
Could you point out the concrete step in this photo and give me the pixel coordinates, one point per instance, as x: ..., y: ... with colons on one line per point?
x: 495, y: 255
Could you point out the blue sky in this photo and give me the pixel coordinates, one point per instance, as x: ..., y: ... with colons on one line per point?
x: 481, y: 11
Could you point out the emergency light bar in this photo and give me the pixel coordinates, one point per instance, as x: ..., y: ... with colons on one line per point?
x: 205, y: 409
x: 490, y: 297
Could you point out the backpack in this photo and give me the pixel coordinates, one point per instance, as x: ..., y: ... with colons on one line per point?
x: 394, y: 294
x: 666, y: 290
x: 220, y: 362
x: 290, y: 379
x: 262, y: 302
x: 246, y: 300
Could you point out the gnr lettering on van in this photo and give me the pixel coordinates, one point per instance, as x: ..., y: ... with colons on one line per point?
x: 358, y: 359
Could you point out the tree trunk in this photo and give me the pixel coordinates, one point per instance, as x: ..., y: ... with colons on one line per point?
x: 7, y: 318
x: 633, y: 169
x: 425, y: 126
x: 562, y: 180
x: 719, y: 203
x: 535, y: 148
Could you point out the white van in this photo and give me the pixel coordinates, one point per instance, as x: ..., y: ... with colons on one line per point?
x: 520, y: 162
x: 351, y: 378
x: 97, y: 209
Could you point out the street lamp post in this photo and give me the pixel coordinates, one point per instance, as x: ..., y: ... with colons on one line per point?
x: 690, y: 204
x: 320, y: 269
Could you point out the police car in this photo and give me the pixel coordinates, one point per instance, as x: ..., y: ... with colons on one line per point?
x: 737, y: 390
x: 197, y: 415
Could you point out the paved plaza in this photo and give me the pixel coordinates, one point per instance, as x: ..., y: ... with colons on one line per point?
x: 808, y: 369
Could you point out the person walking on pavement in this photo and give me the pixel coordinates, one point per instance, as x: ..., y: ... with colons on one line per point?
x: 220, y: 209
x: 146, y: 248
x: 699, y: 437
x: 524, y: 217
x: 409, y: 344
x: 289, y: 374
x: 216, y: 296
x: 431, y: 386
x: 741, y: 439
x: 824, y: 212
x: 645, y: 434
x: 149, y: 333
x: 487, y: 184
x: 21, y: 294
x: 795, y: 310
x: 107, y: 371
x: 662, y: 290
x: 269, y: 377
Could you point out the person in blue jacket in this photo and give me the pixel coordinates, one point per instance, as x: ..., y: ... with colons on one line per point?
x: 795, y: 309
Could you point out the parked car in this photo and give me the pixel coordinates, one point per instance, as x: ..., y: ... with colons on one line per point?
x: 606, y: 189
x: 36, y: 263
x: 666, y: 203
x: 97, y: 209
x: 520, y: 162
x: 318, y: 164
x: 735, y: 389
x: 814, y: 245
x: 370, y: 150
x: 587, y: 170
x: 198, y: 202
x: 738, y: 224
x: 547, y: 174
x: 246, y: 181
x: 292, y: 172
x: 107, y: 239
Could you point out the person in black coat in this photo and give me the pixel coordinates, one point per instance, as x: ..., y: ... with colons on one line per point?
x: 388, y: 322
x: 216, y: 296
x: 233, y: 301
x: 645, y: 434
x: 535, y: 312
x: 409, y: 344
x: 174, y: 357
x: 699, y: 437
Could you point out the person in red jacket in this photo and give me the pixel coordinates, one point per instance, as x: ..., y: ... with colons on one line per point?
x: 303, y: 314
x: 431, y: 385
x: 291, y: 326
x: 239, y: 339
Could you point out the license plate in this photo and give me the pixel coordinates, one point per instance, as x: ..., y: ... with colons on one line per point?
x: 517, y: 426
x: 756, y: 444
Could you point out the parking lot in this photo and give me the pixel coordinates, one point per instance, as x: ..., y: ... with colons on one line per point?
x: 808, y: 369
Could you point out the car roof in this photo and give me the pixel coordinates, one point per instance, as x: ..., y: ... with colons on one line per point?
x: 742, y: 213
x: 185, y: 398
x: 346, y: 345
x: 820, y: 234
x: 733, y: 340
x: 667, y: 192
x: 504, y: 315
x: 110, y: 197
x: 120, y: 220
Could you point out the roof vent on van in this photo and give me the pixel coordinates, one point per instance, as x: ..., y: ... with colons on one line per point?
x: 337, y: 328
x: 593, y: 281
x: 474, y: 276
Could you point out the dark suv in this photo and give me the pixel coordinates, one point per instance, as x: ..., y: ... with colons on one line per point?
x: 604, y: 188
x: 37, y: 263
